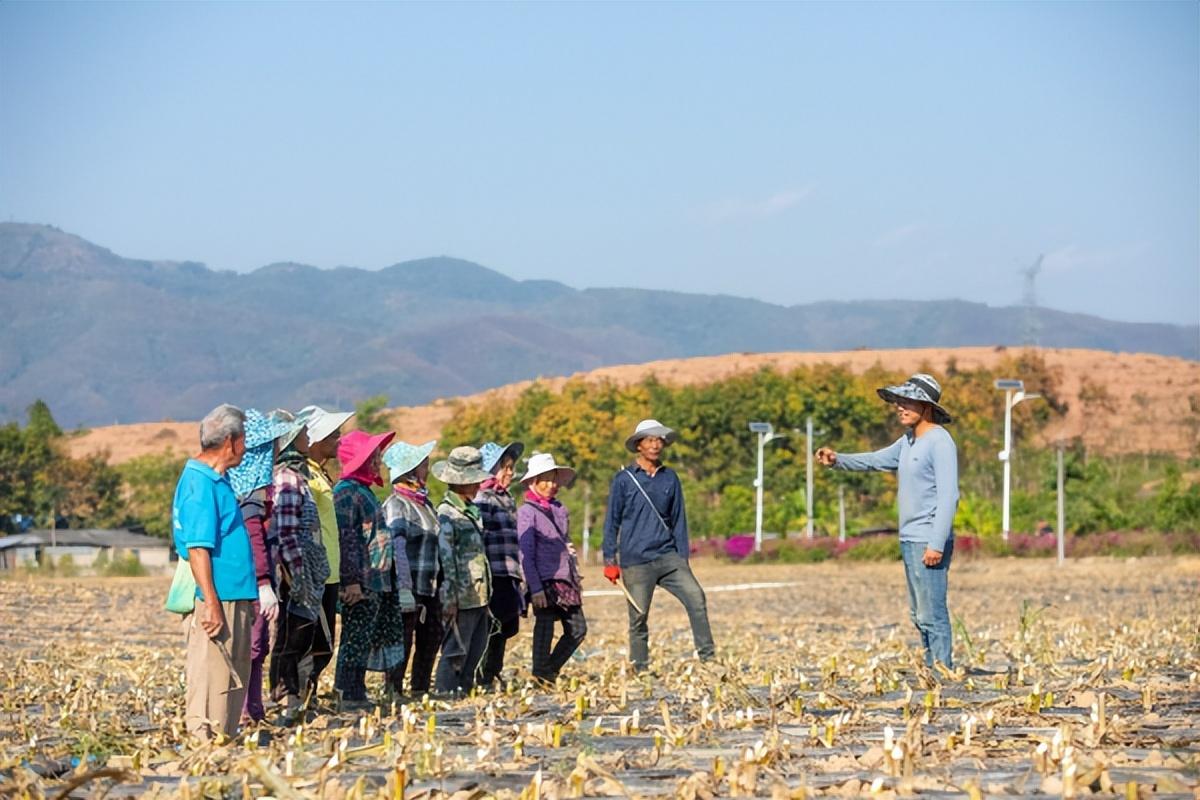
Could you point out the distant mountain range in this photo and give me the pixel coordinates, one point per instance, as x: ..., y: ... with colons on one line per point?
x: 107, y: 339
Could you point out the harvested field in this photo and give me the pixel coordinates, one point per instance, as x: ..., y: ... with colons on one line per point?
x: 1077, y: 680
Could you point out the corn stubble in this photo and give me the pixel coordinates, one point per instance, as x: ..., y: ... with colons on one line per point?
x: 1075, y: 681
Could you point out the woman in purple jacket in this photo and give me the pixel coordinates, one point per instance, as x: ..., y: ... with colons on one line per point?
x: 548, y: 561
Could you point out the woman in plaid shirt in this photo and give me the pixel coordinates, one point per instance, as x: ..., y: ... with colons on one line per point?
x: 413, y: 523
x: 499, y: 513
x: 299, y: 556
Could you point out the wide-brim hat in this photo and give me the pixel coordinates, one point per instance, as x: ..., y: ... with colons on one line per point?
x: 262, y: 428
x: 541, y: 463
x: 402, y: 458
x: 356, y: 448
x: 650, y: 427
x: 462, y: 467
x: 291, y: 425
x: 494, y: 454
x: 923, y: 388
x: 321, y: 423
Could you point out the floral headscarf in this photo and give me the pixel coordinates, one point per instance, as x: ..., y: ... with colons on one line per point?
x: 255, y: 469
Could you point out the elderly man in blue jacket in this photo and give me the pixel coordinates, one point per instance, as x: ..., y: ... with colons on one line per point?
x: 646, y: 541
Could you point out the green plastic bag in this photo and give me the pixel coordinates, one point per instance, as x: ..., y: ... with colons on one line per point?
x: 181, y: 599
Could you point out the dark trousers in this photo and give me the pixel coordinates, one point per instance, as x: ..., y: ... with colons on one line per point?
x: 462, y: 648
x: 672, y: 573
x: 322, y: 646
x: 427, y: 636
x: 294, y: 637
x: 548, y: 663
x: 506, y: 609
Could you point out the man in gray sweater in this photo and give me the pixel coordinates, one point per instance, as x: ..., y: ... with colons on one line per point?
x: 925, y: 461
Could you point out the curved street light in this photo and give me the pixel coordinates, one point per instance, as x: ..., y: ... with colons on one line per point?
x: 1014, y: 393
x: 766, y: 433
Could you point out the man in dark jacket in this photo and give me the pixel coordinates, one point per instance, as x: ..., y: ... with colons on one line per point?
x: 646, y: 541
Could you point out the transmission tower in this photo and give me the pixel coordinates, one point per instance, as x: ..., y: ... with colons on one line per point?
x: 1032, y: 327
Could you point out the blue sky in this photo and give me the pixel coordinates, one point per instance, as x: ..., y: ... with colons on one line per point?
x: 790, y: 152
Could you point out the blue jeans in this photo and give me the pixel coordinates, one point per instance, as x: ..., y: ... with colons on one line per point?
x: 671, y: 572
x: 927, y: 600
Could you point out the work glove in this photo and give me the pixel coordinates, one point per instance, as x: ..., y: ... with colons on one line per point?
x: 268, y: 603
x: 612, y: 572
x: 408, y: 603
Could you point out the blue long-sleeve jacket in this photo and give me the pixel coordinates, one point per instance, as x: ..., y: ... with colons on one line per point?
x: 927, y: 470
x: 631, y: 526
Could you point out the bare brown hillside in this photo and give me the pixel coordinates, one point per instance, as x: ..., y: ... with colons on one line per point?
x: 1153, y: 402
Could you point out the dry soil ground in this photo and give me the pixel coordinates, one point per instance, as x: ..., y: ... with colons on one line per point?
x: 1080, y: 679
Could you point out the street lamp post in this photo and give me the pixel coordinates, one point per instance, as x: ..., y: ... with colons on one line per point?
x: 808, y: 437
x: 1061, y: 527
x: 766, y: 433
x: 842, y: 513
x: 1014, y: 393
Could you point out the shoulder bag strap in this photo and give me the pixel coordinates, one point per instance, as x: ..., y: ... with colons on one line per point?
x: 638, y: 484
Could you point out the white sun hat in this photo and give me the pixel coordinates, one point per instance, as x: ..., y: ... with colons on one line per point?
x: 320, y: 423
x: 541, y: 463
x: 650, y: 427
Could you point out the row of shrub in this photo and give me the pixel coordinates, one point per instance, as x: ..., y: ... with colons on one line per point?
x: 126, y: 566
x: 1121, y: 544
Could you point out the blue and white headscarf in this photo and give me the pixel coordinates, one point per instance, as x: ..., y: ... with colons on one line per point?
x: 255, y: 469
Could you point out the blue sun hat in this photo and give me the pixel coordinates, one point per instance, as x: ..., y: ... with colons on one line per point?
x: 402, y: 458
x: 290, y: 426
x: 255, y: 470
x: 494, y: 454
x: 920, y: 387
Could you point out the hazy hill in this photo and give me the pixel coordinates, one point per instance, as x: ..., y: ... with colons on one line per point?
x: 104, y: 338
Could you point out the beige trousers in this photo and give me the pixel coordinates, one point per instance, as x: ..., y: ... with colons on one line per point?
x: 217, y: 670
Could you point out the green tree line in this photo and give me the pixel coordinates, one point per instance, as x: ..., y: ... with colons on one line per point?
x: 585, y: 424
x: 38, y: 478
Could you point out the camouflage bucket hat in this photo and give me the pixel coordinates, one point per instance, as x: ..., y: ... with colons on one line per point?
x: 922, y: 388
x: 463, y: 466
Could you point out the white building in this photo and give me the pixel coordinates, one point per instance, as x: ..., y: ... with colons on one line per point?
x: 83, y: 545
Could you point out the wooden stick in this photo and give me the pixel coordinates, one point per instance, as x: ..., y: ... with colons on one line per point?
x: 629, y: 597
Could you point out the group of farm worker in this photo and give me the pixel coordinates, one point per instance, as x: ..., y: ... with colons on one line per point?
x: 274, y: 544
x: 278, y: 549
